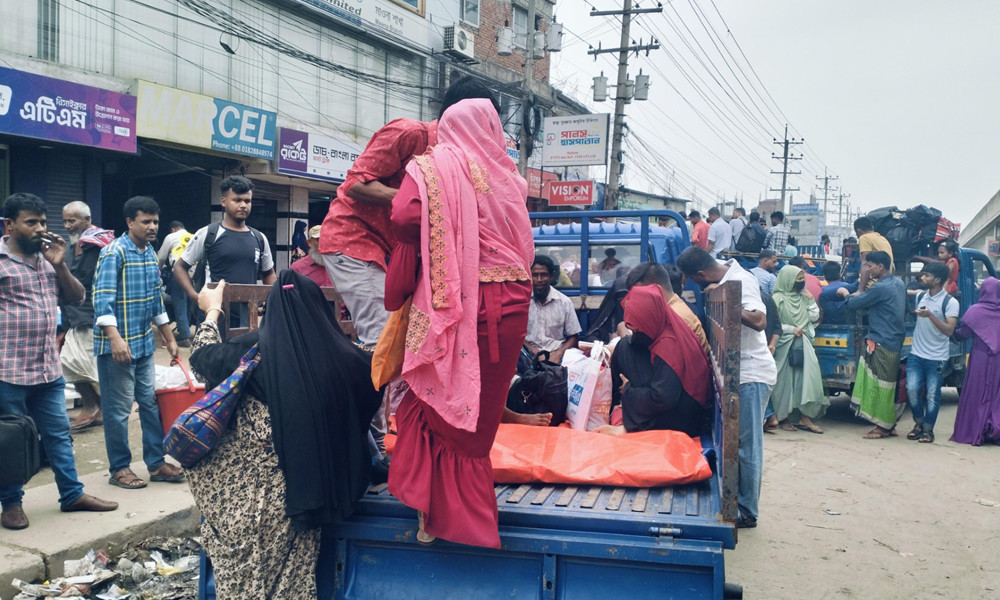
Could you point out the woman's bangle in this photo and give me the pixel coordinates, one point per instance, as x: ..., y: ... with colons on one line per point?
x: 209, y: 311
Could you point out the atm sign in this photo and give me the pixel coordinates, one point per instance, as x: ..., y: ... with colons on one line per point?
x: 570, y: 193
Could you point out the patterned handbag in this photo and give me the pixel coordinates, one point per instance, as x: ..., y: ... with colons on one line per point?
x: 196, y: 432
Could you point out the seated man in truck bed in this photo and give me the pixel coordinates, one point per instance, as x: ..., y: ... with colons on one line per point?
x: 552, y: 322
x: 660, y: 373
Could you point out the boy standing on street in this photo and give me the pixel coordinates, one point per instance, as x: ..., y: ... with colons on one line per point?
x: 127, y: 301
x: 937, y: 316
x: 33, y: 278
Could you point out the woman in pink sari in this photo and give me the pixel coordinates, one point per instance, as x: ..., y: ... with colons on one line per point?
x: 464, y: 253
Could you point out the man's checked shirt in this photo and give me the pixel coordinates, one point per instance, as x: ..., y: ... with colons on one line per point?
x: 127, y: 296
x: 29, y: 312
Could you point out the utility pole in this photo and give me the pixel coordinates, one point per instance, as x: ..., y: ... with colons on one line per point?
x: 623, y: 93
x: 527, y: 141
x: 826, y: 178
x: 840, y: 210
x: 784, y: 172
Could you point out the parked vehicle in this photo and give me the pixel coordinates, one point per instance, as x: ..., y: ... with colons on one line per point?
x: 563, y: 541
x: 838, y: 347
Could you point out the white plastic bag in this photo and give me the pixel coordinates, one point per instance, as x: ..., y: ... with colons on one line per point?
x: 581, y: 379
x: 168, y: 378
x: 600, y: 405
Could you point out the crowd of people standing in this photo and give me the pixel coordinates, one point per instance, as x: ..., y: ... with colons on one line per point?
x: 432, y: 218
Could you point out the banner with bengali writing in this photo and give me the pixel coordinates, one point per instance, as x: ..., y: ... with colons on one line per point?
x: 62, y: 111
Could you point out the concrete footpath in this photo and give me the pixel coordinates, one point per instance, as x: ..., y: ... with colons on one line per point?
x: 38, y: 552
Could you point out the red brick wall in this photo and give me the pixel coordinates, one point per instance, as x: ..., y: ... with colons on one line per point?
x: 492, y: 14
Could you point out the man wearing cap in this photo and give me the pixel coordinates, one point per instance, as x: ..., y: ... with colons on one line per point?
x: 312, y: 265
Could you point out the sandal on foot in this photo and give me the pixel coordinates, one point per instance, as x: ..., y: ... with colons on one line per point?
x: 915, y: 432
x: 787, y: 427
x: 879, y: 433
x: 927, y: 437
x: 126, y: 479
x: 812, y: 427
x: 423, y: 537
x: 168, y: 473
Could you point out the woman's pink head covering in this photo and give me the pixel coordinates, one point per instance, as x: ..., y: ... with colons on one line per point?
x: 470, y: 190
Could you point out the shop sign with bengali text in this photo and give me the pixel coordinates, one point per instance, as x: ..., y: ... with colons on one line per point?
x: 174, y: 115
x: 573, y: 141
x: 314, y: 156
x: 570, y: 193
x: 397, y: 21
x: 62, y: 111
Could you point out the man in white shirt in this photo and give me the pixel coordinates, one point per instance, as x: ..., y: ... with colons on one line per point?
x: 758, y: 372
x: 552, y: 322
x: 937, y: 317
x: 720, y: 235
x: 737, y: 223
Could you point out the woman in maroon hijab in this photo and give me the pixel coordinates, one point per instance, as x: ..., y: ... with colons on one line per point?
x: 660, y: 372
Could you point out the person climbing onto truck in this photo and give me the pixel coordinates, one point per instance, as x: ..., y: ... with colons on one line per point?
x: 874, y: 395
x: 937, y: 317
x: 757, y: 370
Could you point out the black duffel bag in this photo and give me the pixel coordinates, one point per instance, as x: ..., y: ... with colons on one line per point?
x: 20, y: 453
x: 541, y: 389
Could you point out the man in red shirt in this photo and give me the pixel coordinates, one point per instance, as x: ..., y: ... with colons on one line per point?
x: 357, y: 238
x: 699, y: 230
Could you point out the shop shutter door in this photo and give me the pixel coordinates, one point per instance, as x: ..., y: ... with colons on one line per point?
x: 65, y: 184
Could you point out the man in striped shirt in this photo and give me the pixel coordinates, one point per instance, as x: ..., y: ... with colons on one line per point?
x: 127, y: 303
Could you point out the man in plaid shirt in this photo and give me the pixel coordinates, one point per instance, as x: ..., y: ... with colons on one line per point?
x: 777, y: 236
x: 33, y: 278
x: 127, y: 302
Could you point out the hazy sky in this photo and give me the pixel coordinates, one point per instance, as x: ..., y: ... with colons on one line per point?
x: 896, y: 97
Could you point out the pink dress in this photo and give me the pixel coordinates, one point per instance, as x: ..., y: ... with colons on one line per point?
x: 441, y: 470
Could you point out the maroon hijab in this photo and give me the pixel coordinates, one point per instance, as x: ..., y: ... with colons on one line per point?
x: 673, y: 341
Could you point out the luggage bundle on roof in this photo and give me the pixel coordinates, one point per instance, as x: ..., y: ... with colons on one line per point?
x: 913, y: 230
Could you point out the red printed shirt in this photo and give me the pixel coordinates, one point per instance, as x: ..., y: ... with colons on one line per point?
x: 29, y: 311
x: 362, y: 231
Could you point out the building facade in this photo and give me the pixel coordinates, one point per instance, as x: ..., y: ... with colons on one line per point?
x: 106, y: 99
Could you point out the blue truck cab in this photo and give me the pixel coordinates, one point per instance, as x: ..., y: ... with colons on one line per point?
x: 592, y: 252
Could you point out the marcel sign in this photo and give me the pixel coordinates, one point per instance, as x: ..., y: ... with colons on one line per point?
x: 174, y: 115
x: 570, y: 193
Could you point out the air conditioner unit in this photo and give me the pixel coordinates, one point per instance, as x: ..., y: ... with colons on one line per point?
x: 459, y: 42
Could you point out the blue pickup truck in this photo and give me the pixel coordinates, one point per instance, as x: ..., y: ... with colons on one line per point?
x: 838, y: 347
x: 561, y: 541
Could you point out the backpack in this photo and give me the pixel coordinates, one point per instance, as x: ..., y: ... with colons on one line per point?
x: 198, y: 281
x: 944, y: 311
x: 748, y: 237
x: 541, y: 389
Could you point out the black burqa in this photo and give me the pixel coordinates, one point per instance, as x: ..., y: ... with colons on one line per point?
x: 318, y: 390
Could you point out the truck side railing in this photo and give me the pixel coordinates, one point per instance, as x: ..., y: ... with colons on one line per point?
x: 723, y: 306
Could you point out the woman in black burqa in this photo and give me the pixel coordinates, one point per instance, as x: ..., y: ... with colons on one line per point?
x: 296, y: 454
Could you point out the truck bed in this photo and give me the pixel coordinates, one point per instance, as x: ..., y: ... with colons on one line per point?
x: 558, y: 541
